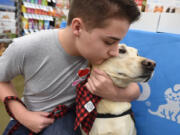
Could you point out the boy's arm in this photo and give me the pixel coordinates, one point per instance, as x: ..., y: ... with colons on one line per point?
x: 35, y: 121
x: 101, y: 85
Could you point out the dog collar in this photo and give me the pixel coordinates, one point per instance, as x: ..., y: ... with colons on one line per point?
x: 100, y: 115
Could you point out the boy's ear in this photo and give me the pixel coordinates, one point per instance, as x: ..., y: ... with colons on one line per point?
x: 77, y: 26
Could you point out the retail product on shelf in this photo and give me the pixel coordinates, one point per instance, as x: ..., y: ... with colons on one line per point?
x: 2, y: 48
x: 43, y: 14
x: 159, y: 6
x: 62, y: 7
x: 139, y: 4
x: 7, y: 23
x: 34, y: 14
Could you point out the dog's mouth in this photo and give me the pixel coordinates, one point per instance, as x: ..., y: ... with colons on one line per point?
x: 144, y: 77
x: 141, y: 78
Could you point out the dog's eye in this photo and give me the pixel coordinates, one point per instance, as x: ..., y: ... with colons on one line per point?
x: 122, y: 50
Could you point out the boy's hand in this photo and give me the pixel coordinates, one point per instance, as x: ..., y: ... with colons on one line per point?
x: 36, y: 121
x: 101, y: 85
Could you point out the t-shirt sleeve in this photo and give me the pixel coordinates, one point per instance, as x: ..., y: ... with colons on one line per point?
x: 11, y: 62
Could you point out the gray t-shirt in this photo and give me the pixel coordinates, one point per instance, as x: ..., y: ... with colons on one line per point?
x: 47, y: 69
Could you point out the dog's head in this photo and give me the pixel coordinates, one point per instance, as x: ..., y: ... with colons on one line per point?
x: 128, y: 67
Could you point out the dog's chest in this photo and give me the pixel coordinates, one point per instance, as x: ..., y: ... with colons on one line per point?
x: 113, y: 126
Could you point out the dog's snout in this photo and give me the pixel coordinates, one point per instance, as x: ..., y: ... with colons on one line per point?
x: 148, y: 64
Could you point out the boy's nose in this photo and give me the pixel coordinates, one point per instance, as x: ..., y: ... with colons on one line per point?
x: 114, y: 51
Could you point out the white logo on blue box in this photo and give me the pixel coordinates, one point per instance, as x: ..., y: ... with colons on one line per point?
x: 170, y: 110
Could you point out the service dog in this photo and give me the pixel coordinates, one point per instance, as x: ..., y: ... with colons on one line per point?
x: 126, y: 68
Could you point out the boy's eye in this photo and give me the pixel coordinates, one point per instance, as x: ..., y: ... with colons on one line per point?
x: 109, y: 43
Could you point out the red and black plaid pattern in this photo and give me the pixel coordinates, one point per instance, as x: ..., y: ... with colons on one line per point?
x: 58, y: 112
x: 84, y: 117
x: 7, y: 99
x: 17, y: 125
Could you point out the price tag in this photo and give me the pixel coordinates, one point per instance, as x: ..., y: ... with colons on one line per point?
x: 89, y: 106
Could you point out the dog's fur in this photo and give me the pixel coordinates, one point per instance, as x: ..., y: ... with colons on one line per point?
x: 126, y: 68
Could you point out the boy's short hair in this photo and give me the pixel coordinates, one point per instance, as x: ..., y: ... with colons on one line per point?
x: 94, y: 13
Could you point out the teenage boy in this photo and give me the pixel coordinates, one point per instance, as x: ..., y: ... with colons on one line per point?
x: 49, y: 62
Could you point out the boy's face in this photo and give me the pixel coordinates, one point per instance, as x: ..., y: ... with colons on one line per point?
x: 102, y: 43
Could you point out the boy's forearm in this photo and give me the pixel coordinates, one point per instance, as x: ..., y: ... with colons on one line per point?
x: 7, y: 89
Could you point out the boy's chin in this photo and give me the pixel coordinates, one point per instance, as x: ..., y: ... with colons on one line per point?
x: 97, y: 62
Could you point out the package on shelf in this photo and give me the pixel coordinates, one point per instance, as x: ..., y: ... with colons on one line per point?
x: 62, y: 4
x: 7, y: 15
x: 7, y: 22
x: 37, y: 17
x: 2, y: 48
x: 42, y: 2
x: 8, y: 30
x: 62, y: 8
x: 168, y: 6
x: 37, y: 9
x: 177, y: 9
x: 43, y: 14
x: 139, y: 4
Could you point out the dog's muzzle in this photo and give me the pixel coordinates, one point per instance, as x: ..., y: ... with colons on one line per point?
x: 148, y: 67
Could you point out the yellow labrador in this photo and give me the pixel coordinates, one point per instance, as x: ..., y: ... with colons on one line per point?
x: 126, y: 68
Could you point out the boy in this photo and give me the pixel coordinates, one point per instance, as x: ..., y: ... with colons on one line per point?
x: 49, y: 61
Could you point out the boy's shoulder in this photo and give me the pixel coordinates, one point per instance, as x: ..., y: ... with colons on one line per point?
x: 37, y: 36
x: 41, y: 38
x: 34, y: 42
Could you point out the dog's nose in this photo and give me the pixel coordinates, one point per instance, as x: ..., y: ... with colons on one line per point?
x: 148, y: 64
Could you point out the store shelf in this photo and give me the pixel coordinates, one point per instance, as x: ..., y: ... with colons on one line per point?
x: 7, y: 7
x: 6, y: 40
x: 37, y: 17
x: 37, y: 6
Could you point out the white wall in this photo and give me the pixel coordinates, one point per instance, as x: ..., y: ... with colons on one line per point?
x: 158, y: 22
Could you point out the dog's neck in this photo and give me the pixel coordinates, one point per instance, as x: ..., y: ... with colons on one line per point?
x: 110, y: 107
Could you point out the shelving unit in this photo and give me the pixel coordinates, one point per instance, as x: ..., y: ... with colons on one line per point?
x: 36, y: 15
x: 7, y: 23
x: 5, y: 7
x: 5, y: 40
x: 158, y: 16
